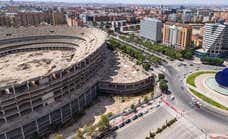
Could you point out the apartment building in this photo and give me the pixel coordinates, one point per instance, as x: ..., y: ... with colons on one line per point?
x: 32, y: 18
x: 177, y: 35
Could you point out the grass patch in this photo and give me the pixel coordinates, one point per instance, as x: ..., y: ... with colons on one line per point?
x: 191, y: 78
x: 208, y: 100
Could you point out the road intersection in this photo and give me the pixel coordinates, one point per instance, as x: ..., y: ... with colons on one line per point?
x: 204, y: 120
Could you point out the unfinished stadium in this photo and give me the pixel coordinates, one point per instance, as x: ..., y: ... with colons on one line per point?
x: 48, y: 74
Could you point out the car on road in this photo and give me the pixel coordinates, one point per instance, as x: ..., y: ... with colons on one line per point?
x: 172, y: 98
x: 158, y: 105
x: 197, y: 104
x: 193, y: 99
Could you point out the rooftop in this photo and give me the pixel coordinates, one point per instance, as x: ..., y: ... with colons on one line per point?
x: 152, y: 19
x: 25, y: 65
x: 123, y: 70
x: 18, y: 67
x: 178, y: 24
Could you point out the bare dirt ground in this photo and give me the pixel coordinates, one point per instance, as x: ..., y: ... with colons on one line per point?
x: 103, y: 105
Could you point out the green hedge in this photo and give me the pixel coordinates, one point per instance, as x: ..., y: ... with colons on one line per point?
x: 212, y: 61
x: 191, y: 78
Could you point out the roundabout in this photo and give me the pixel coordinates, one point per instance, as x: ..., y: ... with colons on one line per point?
x: 209, y: 87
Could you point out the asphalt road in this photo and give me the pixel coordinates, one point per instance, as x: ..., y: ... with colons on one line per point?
x: 141, y: 127
x: 202, y: 118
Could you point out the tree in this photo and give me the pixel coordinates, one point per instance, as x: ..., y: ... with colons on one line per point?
x: 187, y: 54
x: 57, y: 136
x: 178, y: 55
x: 161, y: 76
x: 133, y: 107
x: 146, y: 66
x: 152, y: 134
x: 89, y: 130
x: 109, y: 114
x: 146, y: 99
x: 163, y: 86
x: 103, y: 123
x: 79, y: 134
x: 159, y: 130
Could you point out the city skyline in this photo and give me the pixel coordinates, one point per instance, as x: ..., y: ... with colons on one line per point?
x: 130, y: 69
x: 156, y: 2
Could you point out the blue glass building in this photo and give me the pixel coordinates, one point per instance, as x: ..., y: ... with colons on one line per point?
x: 222, y: 77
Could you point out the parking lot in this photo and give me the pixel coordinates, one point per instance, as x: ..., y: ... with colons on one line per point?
x: 140, y: 127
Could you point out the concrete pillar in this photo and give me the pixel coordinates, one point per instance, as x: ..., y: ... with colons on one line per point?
x: 22, y: 132
x: 49, y: 116
x: 37, y: 127
x: 5, y: 136
x: 71, y: 112
x: 61, y: 115
x: 84, y: 96
x: 27, y: 85
x: 13, y: 90
x: 78, y: 104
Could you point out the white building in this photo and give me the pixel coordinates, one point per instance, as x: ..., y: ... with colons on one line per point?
x: 215, y: 40
x: 151, y: 28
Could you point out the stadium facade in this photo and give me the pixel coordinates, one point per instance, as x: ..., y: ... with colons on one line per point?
x: 34, y: 104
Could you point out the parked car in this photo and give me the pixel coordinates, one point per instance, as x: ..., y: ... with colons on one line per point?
x: 149, y: 103
x: 127, y: 121
x: 145, y: 112
x: 134, y: 117
x: 140, y: 114
x: 114, y: 128
x: 121, y: 125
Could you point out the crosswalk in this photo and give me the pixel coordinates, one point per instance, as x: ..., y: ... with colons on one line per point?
x: 182, y: 129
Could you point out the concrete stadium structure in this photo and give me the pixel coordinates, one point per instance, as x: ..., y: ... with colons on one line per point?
x: 49, y: 75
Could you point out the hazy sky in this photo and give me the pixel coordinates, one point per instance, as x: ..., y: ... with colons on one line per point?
x: 205, y: 2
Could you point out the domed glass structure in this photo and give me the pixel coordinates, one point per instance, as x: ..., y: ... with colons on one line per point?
x: 222, y: 78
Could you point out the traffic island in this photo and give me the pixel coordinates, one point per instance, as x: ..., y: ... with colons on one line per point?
x: 199, y: 84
